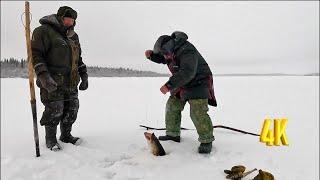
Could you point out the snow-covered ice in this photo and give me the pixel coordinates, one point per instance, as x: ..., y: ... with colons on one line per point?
x: 114, y: 146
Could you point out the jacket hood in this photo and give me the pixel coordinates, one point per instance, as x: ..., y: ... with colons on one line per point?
x: 179, y: 38
x: 55, y: 22
x: 162, y: 46
x: 51, y: 19
x: 168, y: 44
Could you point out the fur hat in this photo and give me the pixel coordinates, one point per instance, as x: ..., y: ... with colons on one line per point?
x: 66, y: 11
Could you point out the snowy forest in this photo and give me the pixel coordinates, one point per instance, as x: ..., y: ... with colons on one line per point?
x: 15, y: 68
x: 12, y: 68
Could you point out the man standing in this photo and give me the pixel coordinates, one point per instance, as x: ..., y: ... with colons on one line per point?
x: 191, y: 81
x: 58, y: 65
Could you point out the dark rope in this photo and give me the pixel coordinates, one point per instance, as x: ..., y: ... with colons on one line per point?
x: 217, y: 126
x: 152, y: 128
x: 237, y: 130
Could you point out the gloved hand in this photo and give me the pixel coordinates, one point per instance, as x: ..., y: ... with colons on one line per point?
x: 148, y: 53
x: 47, y: 82
x: 164, y: 89
x: 84, y: 82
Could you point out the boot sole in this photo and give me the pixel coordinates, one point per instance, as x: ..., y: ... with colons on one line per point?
x: 177, y: 141
x: 168, y: 140
x: 78, y: 142
x: 56, y: 148
x: 204, y: 152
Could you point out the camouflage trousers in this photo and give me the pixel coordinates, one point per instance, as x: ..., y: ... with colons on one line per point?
x: 198, y: 114
x: 60, y: 106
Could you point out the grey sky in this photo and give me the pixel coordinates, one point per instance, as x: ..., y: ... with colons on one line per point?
x: 234, y: 37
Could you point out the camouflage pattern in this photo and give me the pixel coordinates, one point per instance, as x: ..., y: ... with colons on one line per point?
x: 57, y: 50
x: 75, y: 51
x: 198, y: 114
x: 60, y: 106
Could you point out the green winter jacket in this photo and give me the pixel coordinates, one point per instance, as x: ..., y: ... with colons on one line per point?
x: 57, y: 50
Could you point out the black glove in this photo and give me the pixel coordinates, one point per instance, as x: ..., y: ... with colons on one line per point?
x: 47, y: 82
x: 84, y: 82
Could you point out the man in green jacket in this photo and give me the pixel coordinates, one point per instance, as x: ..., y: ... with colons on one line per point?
x: 58, y: 65
x: 191, y: 81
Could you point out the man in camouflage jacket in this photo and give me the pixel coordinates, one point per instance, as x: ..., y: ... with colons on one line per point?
x: 59, y: 67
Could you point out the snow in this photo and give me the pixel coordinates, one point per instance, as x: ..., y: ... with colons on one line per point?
x: 114, y: 146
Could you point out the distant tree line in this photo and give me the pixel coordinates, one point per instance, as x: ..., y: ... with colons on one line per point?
x: 12, y: 67
x: 12, y: 62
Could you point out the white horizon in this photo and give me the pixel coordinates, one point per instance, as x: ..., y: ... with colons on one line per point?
x: 234, y: 37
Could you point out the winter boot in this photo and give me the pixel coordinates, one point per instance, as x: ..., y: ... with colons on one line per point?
x: 51, y: 139
x: 205, y: 148
x: 66, y: 136
x: 172, y: 138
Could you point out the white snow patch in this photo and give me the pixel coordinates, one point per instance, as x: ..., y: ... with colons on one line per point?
x: 114, y: 146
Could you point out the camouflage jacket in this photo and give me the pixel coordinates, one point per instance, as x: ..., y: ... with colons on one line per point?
x: 57, y: 50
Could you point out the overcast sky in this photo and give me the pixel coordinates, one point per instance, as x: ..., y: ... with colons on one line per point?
x: 234, y: 37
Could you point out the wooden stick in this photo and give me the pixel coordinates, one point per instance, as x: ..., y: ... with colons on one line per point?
x: 31, y: 79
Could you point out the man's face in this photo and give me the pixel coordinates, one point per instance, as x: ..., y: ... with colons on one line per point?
x: 67, y: 21
x: 168, y: 56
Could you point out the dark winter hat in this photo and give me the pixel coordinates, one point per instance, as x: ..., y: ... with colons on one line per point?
x: 179, y: 35
x: 66, y: 11
x: 164, y: 45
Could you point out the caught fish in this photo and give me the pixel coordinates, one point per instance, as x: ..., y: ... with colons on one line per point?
x: 154, y: 144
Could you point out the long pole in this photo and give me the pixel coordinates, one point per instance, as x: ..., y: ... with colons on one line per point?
x: 31, y: 79
x: 214, y: 127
